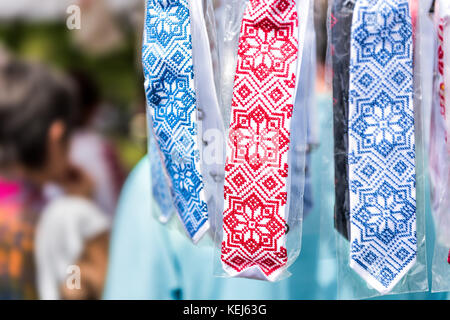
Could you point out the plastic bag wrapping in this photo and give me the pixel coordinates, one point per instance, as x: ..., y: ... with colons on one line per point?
x: 210, y: 123
x: 341, y: 18
x: 232, y: 17
x: 229, y: 29
x: 212, y: 16
x: 350, y: 284
x: 439, y: 150
x: 208, y: 120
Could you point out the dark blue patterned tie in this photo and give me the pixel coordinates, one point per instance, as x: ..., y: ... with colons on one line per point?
x: 381, y: 143
x: 169, y: 85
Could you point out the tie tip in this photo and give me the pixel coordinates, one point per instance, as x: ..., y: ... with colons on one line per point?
x: 375, y: 283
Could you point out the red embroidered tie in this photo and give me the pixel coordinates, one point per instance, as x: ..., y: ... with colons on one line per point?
x: 255, y: 213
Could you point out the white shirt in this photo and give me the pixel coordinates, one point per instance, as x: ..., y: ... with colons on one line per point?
x: 64, y: 227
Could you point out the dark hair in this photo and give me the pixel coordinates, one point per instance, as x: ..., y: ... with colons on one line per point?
x: 89, y: 95
x: 31, y: 99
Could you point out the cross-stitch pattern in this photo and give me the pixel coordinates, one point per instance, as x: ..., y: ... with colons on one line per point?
x: 381, y: 143
x: 256, y: 169
x: 169, y: 84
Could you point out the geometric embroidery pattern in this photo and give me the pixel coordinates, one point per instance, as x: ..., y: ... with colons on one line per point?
x: 254, y: 218
x: 171, y: 99
x: 381, y: 143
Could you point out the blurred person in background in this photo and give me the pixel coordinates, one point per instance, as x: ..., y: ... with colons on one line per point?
x: 37, y: 112
x: 20, y: 204
x: 19, y: 210
x: 91, y: 151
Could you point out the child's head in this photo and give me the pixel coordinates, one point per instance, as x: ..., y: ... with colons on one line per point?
x: 36, y: 112
x: 89, y: 96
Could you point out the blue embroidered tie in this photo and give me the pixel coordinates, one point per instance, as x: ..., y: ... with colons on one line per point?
x: 169, y: 85
x: 381, y: 143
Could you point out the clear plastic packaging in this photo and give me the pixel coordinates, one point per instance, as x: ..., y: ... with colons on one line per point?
x: 229, y: 27
x: 342, y: 13
x: 233, y: 13
x: 350, y: 284
x: 208, y: 120
x: 439, y: 149
x: 159, y: 187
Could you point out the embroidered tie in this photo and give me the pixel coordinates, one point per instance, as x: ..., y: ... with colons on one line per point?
x: 254, y: 218
x: 341, y: 21
x: 381, y: 143
x: 169, y: 84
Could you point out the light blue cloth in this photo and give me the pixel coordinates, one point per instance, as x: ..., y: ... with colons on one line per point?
x: 314, y: 274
